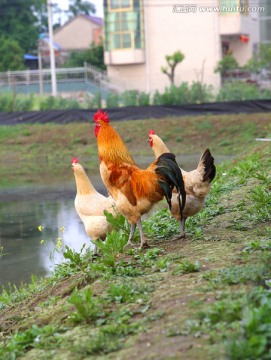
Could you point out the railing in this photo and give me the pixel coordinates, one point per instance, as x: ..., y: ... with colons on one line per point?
x: 88, y: 73
x: 262, y: 80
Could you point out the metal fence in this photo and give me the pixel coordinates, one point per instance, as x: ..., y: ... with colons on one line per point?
x: 87, y: 78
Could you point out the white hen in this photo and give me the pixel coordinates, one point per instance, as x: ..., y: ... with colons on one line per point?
x: 90, y: 205
x: 197, y: 182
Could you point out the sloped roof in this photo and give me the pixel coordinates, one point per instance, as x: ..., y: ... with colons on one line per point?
x: 97, y: 20
x: 30, y: 57
x: 47, y: 40
x: 94, y: 19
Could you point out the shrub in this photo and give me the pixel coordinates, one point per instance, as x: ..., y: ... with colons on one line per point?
x: 183, y: 94
x: 143, y: 99
x: 112, y: 100
x: 200, y: 93
x: 241, y: 91
x: 58, y: 103
x: 94, y: 102
x: 130, y: 98
x: 11, y: 102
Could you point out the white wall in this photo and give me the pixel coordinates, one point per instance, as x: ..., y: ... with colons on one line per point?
x: 197, y: 35
x: 194, y: 34
x: 76, y: 34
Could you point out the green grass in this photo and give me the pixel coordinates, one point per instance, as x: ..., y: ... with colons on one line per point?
x: 209, y: 293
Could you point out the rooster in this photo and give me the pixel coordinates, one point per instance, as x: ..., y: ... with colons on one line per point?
x: 90, y: 205
x: 135, y: 190
x: 197, y: 182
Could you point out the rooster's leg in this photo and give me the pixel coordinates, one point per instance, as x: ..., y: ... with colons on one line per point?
x: 144, y: 243
x: 132, y: 231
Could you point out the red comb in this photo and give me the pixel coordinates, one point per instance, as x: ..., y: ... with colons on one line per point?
x: 75, y: 160
x: 101, y: 115
x: 151, y: 132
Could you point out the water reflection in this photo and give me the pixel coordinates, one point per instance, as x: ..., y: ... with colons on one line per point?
x: 19, y: 221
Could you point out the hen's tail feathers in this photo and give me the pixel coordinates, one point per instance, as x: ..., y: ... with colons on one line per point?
x: 207, y: 161
x: 171, y: 175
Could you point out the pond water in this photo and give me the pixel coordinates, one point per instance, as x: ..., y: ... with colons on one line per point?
x: 24, y: 208
x: 22, y: 211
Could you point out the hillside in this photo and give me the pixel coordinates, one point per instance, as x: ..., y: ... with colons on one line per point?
x: 205, y: 297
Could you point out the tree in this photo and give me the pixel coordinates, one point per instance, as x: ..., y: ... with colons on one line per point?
x: 172, y: 61
x: 227, y: 63
x: 11, y: 55
x: 77, y: 7
x: 94, y: 56
x: 261, y: 59
x: 20, y: 21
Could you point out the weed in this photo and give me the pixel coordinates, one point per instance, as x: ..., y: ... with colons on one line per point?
x: 162, y: 264
x: 240, y: 274
x: 257, y: 245
x: 100, y: 343
x: 75, y: 262
x: 253, y: 339
x: 13, y: 294
x: 126, y: 293
x: 43, y: 338
x: 88, y: 308
x: 160, y: 225
x: 186, y: 267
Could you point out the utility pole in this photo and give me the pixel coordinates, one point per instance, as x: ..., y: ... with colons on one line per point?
x: 52, y: 50
x: 40, y: 66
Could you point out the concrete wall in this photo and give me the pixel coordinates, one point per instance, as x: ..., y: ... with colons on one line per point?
x: 198, y: 35
x: 166, y: 32
x: 77, y: 34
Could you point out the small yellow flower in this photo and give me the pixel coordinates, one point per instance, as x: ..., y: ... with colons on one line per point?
x: 59, y: 242
x: 40, y: 227
x: 42, y: 241
x: 62, y: 229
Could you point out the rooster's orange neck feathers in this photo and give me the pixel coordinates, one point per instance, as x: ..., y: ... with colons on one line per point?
x: 111, y: 148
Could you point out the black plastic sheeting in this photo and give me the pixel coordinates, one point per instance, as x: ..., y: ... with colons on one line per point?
x: 136, y: 112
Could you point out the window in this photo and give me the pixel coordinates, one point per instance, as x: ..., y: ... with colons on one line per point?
x: 244, y: 4
x: 265, y: 31
x: 123, y: 26
x: 234, y: 6
x: 120, y: 4
x: 229, y: 3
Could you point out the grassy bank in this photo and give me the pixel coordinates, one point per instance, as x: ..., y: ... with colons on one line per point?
x: 38, y: 153
x: 205, y: 297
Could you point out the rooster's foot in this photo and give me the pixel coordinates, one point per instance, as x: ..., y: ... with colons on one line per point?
x: 179, y: 237
x: 144, y: 245
x: 130, y: 244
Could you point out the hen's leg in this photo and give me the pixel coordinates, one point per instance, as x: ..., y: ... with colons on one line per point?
x: 96, y: 251
x: 132, y: 231
x: 182, y: 228
x: 144, y: 243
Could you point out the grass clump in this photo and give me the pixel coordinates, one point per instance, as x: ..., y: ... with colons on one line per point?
x: 186, y: 267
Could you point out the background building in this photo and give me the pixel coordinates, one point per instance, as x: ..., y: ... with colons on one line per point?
x: 140, y: 33
x: 79, y: 33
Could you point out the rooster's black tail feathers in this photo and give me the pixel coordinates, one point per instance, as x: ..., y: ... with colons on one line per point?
x: 171, y: 175
x: 209, y: 167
